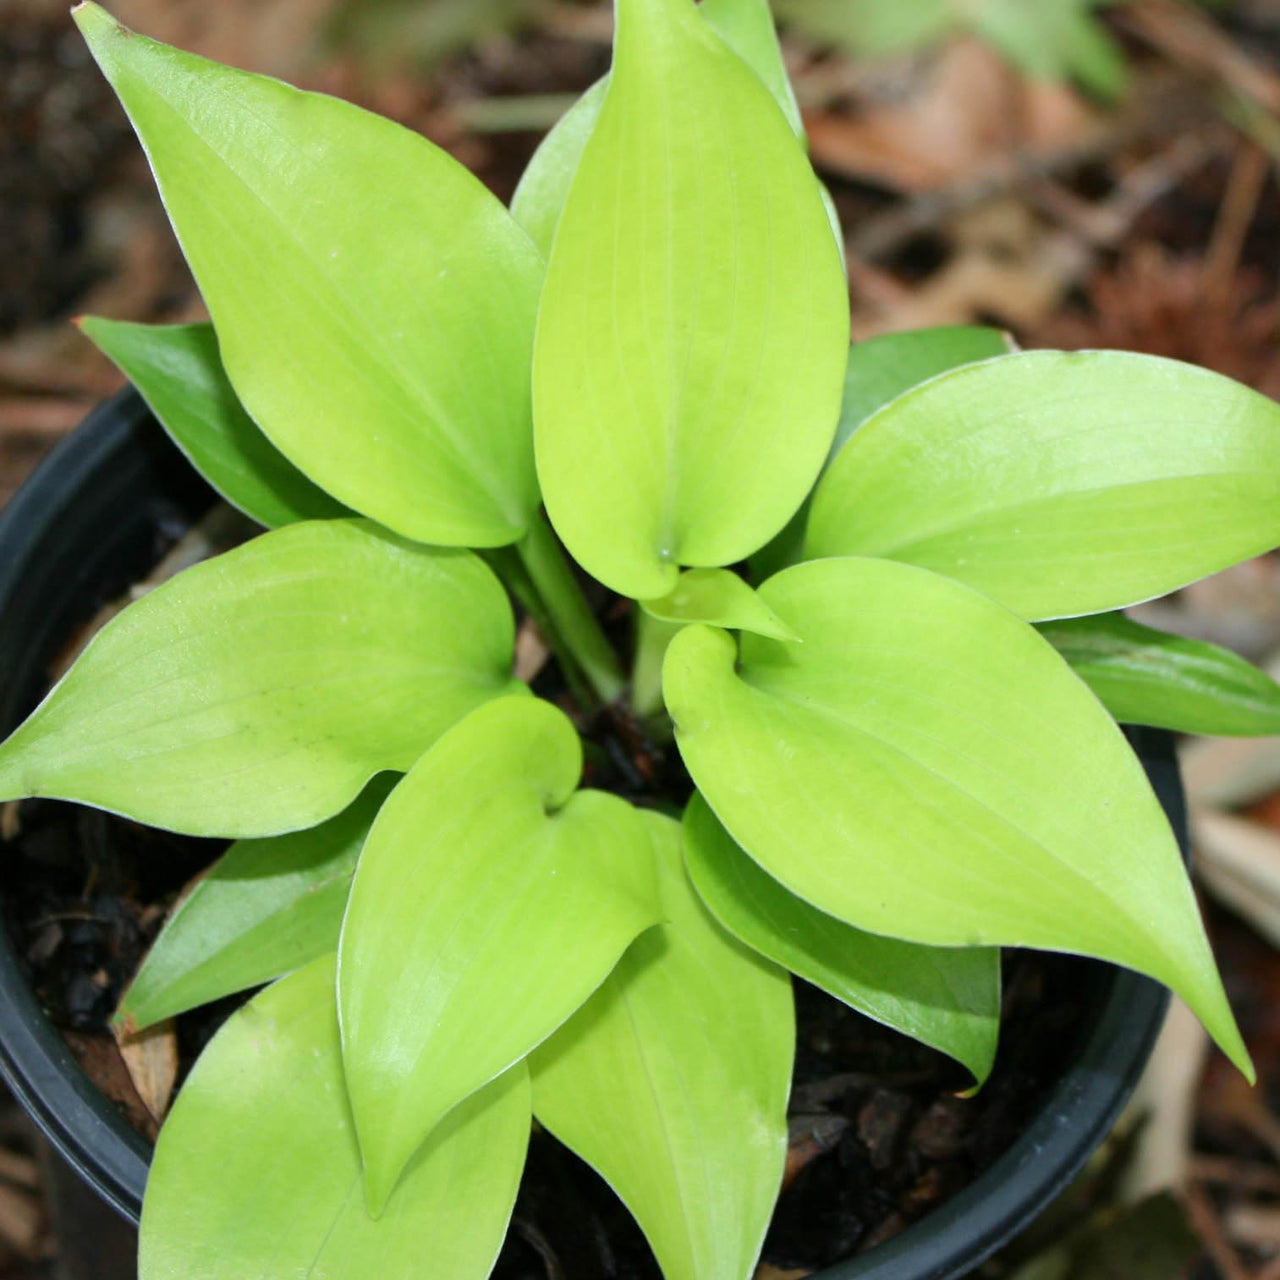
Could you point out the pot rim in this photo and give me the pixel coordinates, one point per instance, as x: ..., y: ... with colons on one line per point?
x: 96, y: 1140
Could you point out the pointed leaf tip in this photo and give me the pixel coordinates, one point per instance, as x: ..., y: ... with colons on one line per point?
x: 925, y: 766
x: 946, y: 997
x: 673, y: 218
x: 457, y: 913
x: 252, y: 170
x: 674, y: 1076
x: 985, y: 475
x: 206, y: 708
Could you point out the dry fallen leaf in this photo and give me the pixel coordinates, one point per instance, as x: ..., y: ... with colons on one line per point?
x: 100, y: 1059
x: 964, y: 111
x: 21, y: 1216
x: 1165, y: 1099
x: 531, y: 651
x: 1005, y: 267
x: 1229, y: 773
x: 1239, y: 862
x: 151, y: 1058
x: 768, y: 1272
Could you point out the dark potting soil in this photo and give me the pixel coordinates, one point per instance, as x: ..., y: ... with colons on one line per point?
x: 880, y: 1133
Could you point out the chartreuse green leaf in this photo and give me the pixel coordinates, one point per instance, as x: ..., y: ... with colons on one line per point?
x: 883, y: 368
x: 946, y: 997
x: 1145, y: 676
x: 746, y: 25
x: 257, y: 1171
x: 878, y: 371
x: 672, y: 1081
x: 544, y: 185
x: 383, y: 342
x: 178, y: 372
x: 926, y: 767
x: 1060, y: 484
x: 491, y: 899
x: 721, y: 598
x: 665, y: 438
x: 265, y: 908
x: 258, y: 692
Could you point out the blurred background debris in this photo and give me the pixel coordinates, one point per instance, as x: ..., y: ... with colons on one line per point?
x: 1083, y: 172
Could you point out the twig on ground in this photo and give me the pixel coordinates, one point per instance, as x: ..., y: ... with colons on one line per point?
x: 1239, y: 1175
x: 37, y: 417
x: 1235, y: 216
x: 1166, y: 110
x: 1105, y: 224
x: 1166, y: 1097
x: 1204, y: 1220
x: 1193, y: 40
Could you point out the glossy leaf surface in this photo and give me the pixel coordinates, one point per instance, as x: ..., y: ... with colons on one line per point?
x: 721, y: 598
x: 1144, y: 676
x: 266, y: 908
x: 883, y: 368
x: 178, y: 372
x: 374, y: 303
x: 258, y: 692
x: 746, y: 25
x: 878, y: 371
x: 666, y: 438
x: 925, y: 766
x: 490, y: 901
x: 1060, y: 484
x: 544, y: 185
x: 946, y: 997
x: 672, y: 1082
x: 257, y: 1171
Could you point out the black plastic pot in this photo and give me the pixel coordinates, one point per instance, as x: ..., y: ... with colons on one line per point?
x: 91, y: 521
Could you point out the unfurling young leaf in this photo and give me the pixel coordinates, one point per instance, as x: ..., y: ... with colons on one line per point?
x: 178, y: 372
x: 945, y: 997
x: 490, y: 901
x: 258, y: 692
x: 666, y: 438
x: 720, y: 598
x: 265, y: 908
x: 257, y: 1171
x: 916, y: 767
x: 672, y: 1082
x: 1145, y: 676
x: 382, y: 341
x: 1060, y: 484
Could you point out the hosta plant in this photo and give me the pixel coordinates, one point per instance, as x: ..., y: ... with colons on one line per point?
x: 875, y: 600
